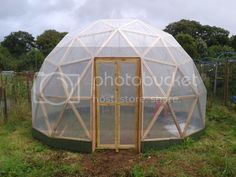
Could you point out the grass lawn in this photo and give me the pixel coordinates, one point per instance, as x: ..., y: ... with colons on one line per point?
x: 214, y: 154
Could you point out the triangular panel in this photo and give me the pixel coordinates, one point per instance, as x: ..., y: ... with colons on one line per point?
x: 54, y: 108
x: 164, y: 127
x: 83, y: 89
x: 39, y: 122
x: 94, y: 42
x: 181, y: 110
x: 76, y: 52
x: 150, y: 85
x: 138, y: 27
x: 181, y: 86
x: 163, y: 74
x: 160, y: 52
x: 74, y: 70
x: 69, y: 126
x: 140, y: 42
x: 54, y: 85
x: 96, y: 28
x: 196, y: 122
x: 117, y: 47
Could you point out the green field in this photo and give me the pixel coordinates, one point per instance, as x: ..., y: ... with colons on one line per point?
x: 214, y: 154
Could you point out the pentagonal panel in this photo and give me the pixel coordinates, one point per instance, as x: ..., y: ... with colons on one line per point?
x: 160, y: 52
x: 163, y: 74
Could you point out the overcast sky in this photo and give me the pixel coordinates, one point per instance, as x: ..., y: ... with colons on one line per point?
x: 35, y: 16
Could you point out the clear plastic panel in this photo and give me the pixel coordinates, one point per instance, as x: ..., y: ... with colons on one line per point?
x: 53, y: 107
x: 76, y: 52
x: 105, y: 81
x: 118, y: 23
x: 94, y: 42
x: 179, y: 55
x: 164, y: 127
x: 181, y: 86
x: 84, y: 109
x: 56, y: 56
x: 69, y: 126
x: 128, y: 125
x: 140, y: 42
x: 160, y: 52
x: 202, y: 104
x: 74, y: 71
x: 163, y: 74
x: 83, y: 89
x: 54, y: 85
x: 151, y: 107
x: 107, y: 125
x: 181, y: 109
x: 97, y: 27
x: 128, y: 87
x: 199, y: 83
x: 39, y: 121
x: 149, y: 84
x: 45, y: 70
x: 117, y: 47
x: 139, y: 27
x: 196, y: 123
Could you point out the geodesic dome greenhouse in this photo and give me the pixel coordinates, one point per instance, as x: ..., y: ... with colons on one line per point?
x: 117, y: 84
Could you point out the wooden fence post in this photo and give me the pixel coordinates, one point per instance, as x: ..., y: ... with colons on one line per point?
x: 5, y: 104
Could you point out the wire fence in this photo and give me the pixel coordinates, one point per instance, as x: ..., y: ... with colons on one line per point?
x: 14, y: 87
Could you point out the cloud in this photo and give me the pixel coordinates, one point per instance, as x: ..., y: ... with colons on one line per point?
x: 35, y: 16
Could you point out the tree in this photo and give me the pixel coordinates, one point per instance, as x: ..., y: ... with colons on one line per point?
x: 210, y: 34
x: 214, y: 35
x: 201, y: 48
x: 6, y: 60
x: 216, y: 50
x: 31, y: 61
x: 233, y: 42
x: 48, y: 40
x: 188, y: 43
x: 18, y: 43
x: 184, y: 26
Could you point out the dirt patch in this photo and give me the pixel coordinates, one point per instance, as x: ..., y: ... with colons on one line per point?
x: 109, y: 163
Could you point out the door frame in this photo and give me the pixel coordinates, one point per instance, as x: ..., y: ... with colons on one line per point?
x: 138, y: 110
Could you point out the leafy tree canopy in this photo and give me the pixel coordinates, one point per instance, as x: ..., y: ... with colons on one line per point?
x: 48, y: 40
x: 210, y: 34
x: 18, y: 43
x: 188, y: 43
